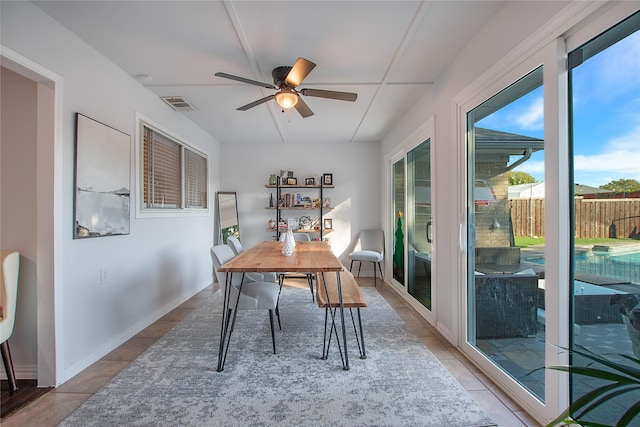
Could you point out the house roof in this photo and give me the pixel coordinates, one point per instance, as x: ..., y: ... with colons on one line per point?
x: 493, y: 141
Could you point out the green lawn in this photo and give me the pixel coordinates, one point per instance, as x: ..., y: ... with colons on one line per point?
x: 523, y: 242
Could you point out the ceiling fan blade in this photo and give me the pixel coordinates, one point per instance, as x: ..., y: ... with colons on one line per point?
x: 299, y: 71
x: 254, y: 103
x: 243, y: 80
x: 331, y: 94
x: 303, y: 108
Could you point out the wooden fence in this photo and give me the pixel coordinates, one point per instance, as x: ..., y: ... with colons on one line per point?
x: 594, y: 218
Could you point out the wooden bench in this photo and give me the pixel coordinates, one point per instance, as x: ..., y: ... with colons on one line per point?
x: 327, y: 298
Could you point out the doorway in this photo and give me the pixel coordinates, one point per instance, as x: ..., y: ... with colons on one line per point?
x: 35, y: 351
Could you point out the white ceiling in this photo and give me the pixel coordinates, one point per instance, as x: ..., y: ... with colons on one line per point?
x: 389, y: 52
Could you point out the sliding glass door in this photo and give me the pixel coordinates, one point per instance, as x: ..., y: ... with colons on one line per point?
x: 505, y: 284
x: 411, y: 223
x: 605, y: 260
x: 419, y: 224
x: 398, y: 210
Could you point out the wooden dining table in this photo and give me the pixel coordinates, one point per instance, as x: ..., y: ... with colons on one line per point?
x: 267, y: 257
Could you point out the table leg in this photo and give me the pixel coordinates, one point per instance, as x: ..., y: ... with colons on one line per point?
x: 345, y: 358
x: 224, y: 323
x: 344, y: 330
x: 226, y: 318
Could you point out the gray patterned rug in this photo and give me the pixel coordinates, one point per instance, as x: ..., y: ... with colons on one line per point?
x: 175, y: 382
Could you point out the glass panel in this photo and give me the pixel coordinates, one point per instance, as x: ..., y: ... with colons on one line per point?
x: 605, y: 125
x: 419, y: 241
x: 228, y: 223
x: 505, y: 216
x: 398, y: 221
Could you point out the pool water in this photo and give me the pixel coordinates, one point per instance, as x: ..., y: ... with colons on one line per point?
x: 622, y: 266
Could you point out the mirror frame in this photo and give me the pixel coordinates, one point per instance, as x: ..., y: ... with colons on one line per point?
x: 231, y: 223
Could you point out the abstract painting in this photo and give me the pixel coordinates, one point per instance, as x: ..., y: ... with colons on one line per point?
x: 102, y: 180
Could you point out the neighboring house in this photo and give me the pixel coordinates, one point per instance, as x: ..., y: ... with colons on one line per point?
x: 536, y: 191
x: 527, y: 191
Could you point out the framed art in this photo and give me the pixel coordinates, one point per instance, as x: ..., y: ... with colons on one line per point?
x: 327, y: 178
x: 328, y: 224
x: 292, y: 181
x: 310, y: 181
x: 102, y: 180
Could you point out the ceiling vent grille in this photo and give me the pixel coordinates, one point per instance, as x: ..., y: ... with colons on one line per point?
x: 178, y: 103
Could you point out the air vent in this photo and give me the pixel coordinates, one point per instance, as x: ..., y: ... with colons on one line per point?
x: 178, y: 103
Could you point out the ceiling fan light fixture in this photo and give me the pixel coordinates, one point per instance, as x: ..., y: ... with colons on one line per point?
x: 286, y: 98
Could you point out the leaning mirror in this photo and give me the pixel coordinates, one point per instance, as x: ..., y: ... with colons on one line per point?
x: 227, y: 216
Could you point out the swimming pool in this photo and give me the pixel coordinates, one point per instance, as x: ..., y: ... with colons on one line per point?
x: 623, y: 266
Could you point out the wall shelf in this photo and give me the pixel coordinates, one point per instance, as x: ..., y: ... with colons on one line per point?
x: 278, y: 208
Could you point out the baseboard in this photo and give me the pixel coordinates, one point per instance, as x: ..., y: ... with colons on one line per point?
x: 23, y: 372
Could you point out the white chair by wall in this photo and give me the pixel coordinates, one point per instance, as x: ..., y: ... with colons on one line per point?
x: 250, y: 296
x: 369, y: 248
x: 302, y: 237
x: 237, y: 248
x: 8, y: 298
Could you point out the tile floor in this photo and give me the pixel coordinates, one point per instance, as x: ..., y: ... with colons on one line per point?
x: 55, y: 406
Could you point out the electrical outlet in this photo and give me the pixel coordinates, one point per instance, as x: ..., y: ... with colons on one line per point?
x: 104, y: 277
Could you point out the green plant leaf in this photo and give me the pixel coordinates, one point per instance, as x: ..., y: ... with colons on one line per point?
x: 623, y: 379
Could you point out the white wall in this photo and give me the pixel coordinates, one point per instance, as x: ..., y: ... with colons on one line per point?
x: 163, y: 261
x: 356, y: 195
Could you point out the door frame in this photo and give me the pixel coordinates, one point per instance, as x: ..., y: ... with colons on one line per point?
x: 49, y: 222
x: 425, y: 132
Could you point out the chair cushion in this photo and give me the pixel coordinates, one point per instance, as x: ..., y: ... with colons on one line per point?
x: 367, y: 256
x: 258, y: 295
x: 261, y: 277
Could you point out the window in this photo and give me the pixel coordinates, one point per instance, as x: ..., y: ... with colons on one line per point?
x: 174, y: 175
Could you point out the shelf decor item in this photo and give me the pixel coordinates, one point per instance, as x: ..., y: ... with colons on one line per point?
x: 327, y: 179
x: 273, y: 180
x: 304, y: 223
x: 289, y: 244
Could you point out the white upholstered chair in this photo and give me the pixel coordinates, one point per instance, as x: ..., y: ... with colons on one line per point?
x: 369, y: 248
x: 8, y: 298
x: 237, y: 248
x: 250, y: 295
x: 302, y: 237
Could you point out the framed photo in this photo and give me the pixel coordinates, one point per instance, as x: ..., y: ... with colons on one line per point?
x: 292, y: 181
x: 327, y: 178
x: 102, y: 180
x: 310, y: 181
x: 328, y: 224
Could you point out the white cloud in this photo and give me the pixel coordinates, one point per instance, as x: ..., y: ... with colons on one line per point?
x: 620, y: 155
x: 533, y: 117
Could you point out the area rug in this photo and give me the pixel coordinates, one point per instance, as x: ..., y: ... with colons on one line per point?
x: 175, y: 382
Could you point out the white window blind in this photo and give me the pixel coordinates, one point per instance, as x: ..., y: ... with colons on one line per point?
x: 195, y: 180
x: 169, y: 167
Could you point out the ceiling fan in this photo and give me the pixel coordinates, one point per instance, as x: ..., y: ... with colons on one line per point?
x: 286, y: 80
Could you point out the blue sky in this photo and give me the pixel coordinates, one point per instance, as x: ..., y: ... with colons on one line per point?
x: 606, y: 91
